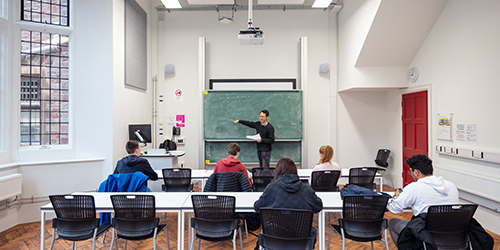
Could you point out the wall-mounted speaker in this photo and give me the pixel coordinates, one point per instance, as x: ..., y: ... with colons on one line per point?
x: 324, y: 68
x: 169, y: 69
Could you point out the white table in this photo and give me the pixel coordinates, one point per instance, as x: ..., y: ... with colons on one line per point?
x: 203, y: 174
x: 161, y: 161
x: 165, y: 202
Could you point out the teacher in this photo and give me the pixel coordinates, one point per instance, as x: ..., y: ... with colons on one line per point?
x: 266, y: 131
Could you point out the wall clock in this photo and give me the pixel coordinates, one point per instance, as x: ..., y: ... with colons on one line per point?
x: 413, y: 74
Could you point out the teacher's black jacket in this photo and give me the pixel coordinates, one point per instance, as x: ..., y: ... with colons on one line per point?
x: 266, y: 134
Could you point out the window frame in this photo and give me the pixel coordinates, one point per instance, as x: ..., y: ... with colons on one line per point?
x: 16, y: 92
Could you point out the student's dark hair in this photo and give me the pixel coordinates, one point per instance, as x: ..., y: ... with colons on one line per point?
x: 420, y: 162
x: 265, y: 112
x: 285, y: 166
x: 233, y: 148
x: 131, y: 146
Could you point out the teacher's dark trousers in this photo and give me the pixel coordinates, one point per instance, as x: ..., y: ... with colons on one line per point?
x: 264, y: 158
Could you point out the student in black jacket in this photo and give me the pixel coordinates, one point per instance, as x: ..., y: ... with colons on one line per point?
x: 266, y: 132
x: 133, y: 163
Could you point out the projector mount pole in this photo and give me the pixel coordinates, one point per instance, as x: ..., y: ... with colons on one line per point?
x: 250, y: 9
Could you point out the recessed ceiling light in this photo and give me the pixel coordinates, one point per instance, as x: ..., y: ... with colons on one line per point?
x: 171, y: 4
x: 321, y: 3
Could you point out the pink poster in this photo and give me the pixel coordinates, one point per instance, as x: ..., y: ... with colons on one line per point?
x: 181, y: 119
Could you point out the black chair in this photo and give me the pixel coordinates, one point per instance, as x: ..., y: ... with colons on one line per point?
x: 382, y: 157
x: 215, y: 219
x: 262, y: 177
x: 135, y: 219
x: 325, y: 180
x: 448, y: 225
x: 76, y: 219
x: 177, y: 179
x: 286, y: 229
x: 362, y: 219
x: 363, y: 177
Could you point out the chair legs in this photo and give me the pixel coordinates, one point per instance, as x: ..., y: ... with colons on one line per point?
x: 234, y: 240
x: 168, y: 242
x: 53, y: 238
x: 329, y: 238
x: 385, y: 237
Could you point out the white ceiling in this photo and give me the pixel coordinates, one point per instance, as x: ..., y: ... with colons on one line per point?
x: 397, y: 32
x: 219, y: 2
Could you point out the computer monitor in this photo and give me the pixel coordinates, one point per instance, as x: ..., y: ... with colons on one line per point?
x: 144, y: 130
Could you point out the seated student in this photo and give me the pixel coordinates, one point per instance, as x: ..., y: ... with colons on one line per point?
x: 133, y: 163
x: 427, y: 190
x: 287, y: 191
x: 325, y: 163
x: 231, y: 163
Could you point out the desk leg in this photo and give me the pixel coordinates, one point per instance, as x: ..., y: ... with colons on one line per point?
x: 381, y: 184
x: 321, y: 230
x: 180, y: 230
x: 42, y: 230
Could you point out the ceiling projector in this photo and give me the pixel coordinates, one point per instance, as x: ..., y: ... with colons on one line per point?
x: 251, y: 36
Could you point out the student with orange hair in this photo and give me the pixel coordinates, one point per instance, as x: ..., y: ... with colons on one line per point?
x: 325, y: 161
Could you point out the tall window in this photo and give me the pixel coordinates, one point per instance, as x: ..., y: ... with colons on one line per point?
x: 44, y: 88
x: 46, y: 11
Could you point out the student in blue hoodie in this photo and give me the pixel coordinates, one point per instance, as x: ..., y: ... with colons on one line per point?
x: 133, y: 163
x: 288, y: 191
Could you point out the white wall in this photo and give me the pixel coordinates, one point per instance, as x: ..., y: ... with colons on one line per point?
x: 368, y: 99
x: 279, y: 57
x: 460, y: 60
x: 130, y: 105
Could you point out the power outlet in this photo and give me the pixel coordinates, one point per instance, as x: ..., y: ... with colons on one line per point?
x: 180, y: 141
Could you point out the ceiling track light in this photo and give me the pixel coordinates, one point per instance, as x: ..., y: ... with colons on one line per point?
x: 224, y: 19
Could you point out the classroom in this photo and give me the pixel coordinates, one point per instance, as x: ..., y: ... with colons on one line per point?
x: 369, y: 47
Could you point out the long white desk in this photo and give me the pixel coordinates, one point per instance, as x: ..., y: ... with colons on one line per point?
x: 203, y: 174
x: 165, y: 202
x: 181, y: 203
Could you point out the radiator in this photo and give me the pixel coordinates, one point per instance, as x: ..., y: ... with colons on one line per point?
x: 10, y: 186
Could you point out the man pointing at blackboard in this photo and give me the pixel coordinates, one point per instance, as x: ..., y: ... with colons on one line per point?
x: 266, y: 132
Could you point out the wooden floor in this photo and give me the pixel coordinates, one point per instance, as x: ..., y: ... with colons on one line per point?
x: 27, y: 236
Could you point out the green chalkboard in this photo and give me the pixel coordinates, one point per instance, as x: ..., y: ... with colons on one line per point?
x: 215, y: 151
x: 222, y: 107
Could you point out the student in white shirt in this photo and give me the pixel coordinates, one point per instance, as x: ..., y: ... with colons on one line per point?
x: 427, y: 190
x: 325, y: 161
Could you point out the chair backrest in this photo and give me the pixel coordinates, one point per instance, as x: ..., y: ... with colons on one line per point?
x: 134, y: 206
x: 363, y: 177
x: 286, y: 223
x: 177, y: 179
x: 364, y: 207
x: 448, y: 224
x: 214, y: 207
x: 382, y: 156
x: 73, y: 206
x: 363, y: 215
x: 325, y: 180
x: 227, y: 182
x: 262, y: 177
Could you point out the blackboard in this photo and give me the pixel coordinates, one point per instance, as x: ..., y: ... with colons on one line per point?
x: 222, y: 107
x: 215, y: 151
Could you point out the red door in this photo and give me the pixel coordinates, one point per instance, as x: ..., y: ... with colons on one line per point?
x: 414, y: 129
